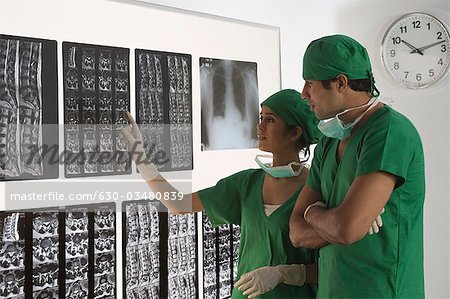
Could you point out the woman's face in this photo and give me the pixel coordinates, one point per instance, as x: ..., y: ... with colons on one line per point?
x: 274, y: 134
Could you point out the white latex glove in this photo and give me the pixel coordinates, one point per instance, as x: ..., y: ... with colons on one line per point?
x: 264, y: 279
x: 133, y: 137
x: 377, y: 223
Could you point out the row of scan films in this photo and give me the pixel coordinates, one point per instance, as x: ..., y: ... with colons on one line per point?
x: 70, y: 252
x: 96, y: 88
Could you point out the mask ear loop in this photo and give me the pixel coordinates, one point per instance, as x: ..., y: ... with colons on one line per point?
x: 299, y: 165
x: 373, y: 89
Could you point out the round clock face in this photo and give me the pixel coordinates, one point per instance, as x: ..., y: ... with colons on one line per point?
x: 416, y: 50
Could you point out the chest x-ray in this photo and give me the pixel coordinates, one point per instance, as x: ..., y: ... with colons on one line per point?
x: 229, y: 98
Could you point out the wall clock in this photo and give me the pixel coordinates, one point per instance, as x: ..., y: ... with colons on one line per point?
x: 416, y: 50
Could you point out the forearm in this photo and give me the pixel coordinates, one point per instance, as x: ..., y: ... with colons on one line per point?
x: 174, y: 200
x: 312, y: 273
x: 304, y: 235
x: 331, y: 226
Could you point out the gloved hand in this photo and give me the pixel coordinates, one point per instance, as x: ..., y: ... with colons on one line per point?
x: 264, y: 279
x: 133, y: 137
x: 377, y: 223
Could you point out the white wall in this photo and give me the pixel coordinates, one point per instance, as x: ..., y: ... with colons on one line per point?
x: 300, y: 22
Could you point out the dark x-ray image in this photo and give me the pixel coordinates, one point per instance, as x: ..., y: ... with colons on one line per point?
x: 164, y: 107
x: 96, y: 97
x: 70, y: 253
x: 160, y: 253
x: 182, y: 256
x: 220, y: 259
x: 141, y: 250
x: 28, y: 104
x: 229, y: 104
x: 46, y: 252
x: 12, y: 255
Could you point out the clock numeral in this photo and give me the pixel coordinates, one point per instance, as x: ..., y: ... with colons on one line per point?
x: 396, y: 65
x: 431, y: 73
x: 439, y: 34
x: 406, y: 74
x: 403, y: 29
x: 419, y: 77
x: 416, y: 24
x: 392, y: 53
x: 440, y: 62
x: 429, y: 26
x: 443, y: 48
x: 396, y: 40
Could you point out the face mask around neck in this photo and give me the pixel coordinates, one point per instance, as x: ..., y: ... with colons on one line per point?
x: 335, y: 128
x: 284, y: 171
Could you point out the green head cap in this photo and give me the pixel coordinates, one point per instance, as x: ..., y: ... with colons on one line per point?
x: 329, y: 56
x: 294, y: 111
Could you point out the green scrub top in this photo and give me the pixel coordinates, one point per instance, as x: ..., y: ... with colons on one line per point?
x: 388, y: 264
x: 264, y: 241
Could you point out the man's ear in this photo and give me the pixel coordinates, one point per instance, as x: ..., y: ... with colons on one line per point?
x: 341, y: 82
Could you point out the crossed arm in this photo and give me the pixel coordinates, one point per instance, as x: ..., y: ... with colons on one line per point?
x: 347, y: 223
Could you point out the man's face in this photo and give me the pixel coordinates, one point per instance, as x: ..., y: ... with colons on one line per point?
x: 321, y: 101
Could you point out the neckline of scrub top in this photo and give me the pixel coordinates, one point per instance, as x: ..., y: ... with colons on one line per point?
x: 281, y: 207
x: 337, y: 141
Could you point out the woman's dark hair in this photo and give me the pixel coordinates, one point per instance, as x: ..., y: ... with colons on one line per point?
x: 355, y: 84
x: 302, y: 144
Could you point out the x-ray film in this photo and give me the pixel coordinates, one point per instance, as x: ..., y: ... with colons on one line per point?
x: 96, y: 97
x: 164, y: 107
x: 229, y: 104
x: 160, y: 252
x: 58, y: 253
x: 220, y: 258
x: 28, y: 105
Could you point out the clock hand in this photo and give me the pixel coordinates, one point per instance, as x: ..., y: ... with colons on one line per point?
x: 414, y: 49
x: 428, y: 46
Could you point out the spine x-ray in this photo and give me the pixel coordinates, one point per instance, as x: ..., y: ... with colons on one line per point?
x: 58, y: 253
x: 220, y: 259
x: 164, y: 107
x: 160, y: 253
x: 96, y: 97
x: 12, y: 255
x: 28, y: 102
x: 229, y: 100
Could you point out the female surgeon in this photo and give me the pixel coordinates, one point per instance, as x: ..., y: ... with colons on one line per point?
x: 259, y: 200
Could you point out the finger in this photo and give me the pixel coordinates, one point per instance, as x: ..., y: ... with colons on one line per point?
x: 244, y: 279
x: 379, y: 221
x: 375, y: 227
x: 247, y: 285
x: 244, y: 283
x: 252, y: 290
x: 127, y: 135
x: 255, y: 294
x: 130, y: 118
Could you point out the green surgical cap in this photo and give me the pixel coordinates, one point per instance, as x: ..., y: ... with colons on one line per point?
x: 329, y: 56
x: 294, y: 111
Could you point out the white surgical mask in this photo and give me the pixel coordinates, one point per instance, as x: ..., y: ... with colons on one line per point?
x: 285, y: 171
x: 335, y: 128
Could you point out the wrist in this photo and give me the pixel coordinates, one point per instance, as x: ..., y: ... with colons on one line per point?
x: 308, y: 209
x: 148, y: 171
x: 294, y: 274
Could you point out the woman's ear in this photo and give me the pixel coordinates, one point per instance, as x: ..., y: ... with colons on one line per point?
x: 296, y: 133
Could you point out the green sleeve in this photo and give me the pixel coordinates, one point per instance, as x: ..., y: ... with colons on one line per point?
x: 222, y: 202
x: 389, y: 147
x: 313, y: 180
